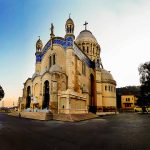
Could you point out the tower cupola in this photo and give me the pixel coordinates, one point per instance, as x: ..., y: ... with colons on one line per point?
x: 39, y: 45
x: 69, y: 27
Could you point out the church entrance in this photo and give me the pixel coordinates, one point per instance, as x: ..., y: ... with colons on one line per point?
x: 46, y: 95
x: 92, y: 107
x: 28, y: 99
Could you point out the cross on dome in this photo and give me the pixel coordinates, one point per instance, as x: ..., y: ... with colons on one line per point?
x: 69, y: 15
x: 85, y: 24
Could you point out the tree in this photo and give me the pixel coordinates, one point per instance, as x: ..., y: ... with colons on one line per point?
x: 1, y: 93
x: 144, y: 72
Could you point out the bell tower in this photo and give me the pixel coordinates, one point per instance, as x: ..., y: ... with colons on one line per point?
x: 69, y: 27
x: 39, y: 46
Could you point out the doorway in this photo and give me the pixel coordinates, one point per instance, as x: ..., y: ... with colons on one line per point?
x: 46, y: 95
x: 28, y: 99
x: 92, y: 107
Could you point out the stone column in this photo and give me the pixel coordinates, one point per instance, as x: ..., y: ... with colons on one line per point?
x: 70, y: 68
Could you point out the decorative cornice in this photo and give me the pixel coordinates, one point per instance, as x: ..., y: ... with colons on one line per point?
x: 27, y: 80
x: 108, y: 81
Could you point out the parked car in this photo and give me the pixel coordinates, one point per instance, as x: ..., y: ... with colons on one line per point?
x: 148, y: 108
x: 137, y: 109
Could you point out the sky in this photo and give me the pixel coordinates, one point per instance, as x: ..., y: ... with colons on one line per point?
x: 121, y: 27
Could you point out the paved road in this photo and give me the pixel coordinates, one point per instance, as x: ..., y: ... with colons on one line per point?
x: 126, y: 131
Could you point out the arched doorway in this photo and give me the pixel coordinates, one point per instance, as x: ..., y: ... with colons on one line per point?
x: 92, y: 107
x: 46, y: 95
x: 28, y: 99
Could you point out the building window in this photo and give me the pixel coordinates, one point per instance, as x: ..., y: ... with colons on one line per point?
x: 83, y: 48
x: 105, y: 88
x: 109, y: 88
x: 127, y: 105
x: 50, y: 61
x: 83, y: 68
x: 114, y: 89
x: 87, y: 49
x: 127, y: 99
x: 54, y: 61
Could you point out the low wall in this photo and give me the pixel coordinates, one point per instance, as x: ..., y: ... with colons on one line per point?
x: 33, y: 115
x: 74, y: 117
x: 106, y: 113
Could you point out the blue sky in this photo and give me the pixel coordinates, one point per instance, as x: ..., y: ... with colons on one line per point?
x: 121, y: 27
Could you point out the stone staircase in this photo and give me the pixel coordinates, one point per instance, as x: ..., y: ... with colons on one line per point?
x: 74, y: 117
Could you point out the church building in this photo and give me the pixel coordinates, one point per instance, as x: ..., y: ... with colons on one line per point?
x: 69, y: 77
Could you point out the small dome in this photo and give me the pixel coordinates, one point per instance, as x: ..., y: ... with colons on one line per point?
x: 39, y: 44
x: 55, y: 68
x: 69, y: 21
x: 69, y: 27
x: 106, y: 75
x: 85, y: 36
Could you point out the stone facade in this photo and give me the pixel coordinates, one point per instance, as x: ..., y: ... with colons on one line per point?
x: 69, y: 76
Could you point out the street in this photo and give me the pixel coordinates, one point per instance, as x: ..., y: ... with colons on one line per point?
x: 125, y: 131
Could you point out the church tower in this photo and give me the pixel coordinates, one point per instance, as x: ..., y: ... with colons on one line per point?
x: 69, y: 27
x: 39, y: 46
x: 69, y: 77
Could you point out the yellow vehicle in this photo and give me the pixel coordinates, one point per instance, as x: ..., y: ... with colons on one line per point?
x: 137, y: 109
x: 141, y: 109
x: 148, y: 108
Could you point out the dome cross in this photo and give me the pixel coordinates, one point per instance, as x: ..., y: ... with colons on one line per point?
x: 69, y: 15
x: 85, y: 24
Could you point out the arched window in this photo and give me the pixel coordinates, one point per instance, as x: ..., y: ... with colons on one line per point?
x: 28, y: 98
x: 50, y: 61
x: 114, y: 89
x: 109, y: 88
x: 79, y: 45
x: 87, y: 49
x: 46, y: 95
x: 83, y: 48
x: 54, y: 61
x: 105, y: 87
x: 70, y: 28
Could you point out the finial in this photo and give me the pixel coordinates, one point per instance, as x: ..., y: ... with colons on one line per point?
x: 85, y: 24
x: 52, y: 30
x: 39, y: 37
x: 69, y: 15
